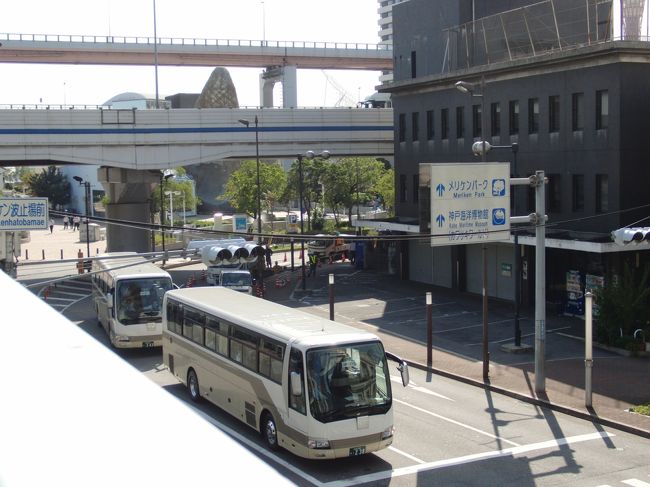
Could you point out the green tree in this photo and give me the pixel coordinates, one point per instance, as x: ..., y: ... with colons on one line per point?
x: 179, y: 185
x: 385, y: 188
x: 51, y: 184
x: 241, y: 188
x: 350, y: 181
x: 623, y: 306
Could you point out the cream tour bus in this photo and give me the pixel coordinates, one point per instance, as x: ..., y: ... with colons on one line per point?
x: 315, y: 387
x: 128, y: 292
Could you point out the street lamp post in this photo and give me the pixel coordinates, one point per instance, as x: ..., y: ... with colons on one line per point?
x: 163, y: 177
x: 171, y: 204
x: 260, y: 263
x: 486, y: 147
x: 259, y: 191
x: 469, y: 88
x: 86, y: 185
x: 309, y: 155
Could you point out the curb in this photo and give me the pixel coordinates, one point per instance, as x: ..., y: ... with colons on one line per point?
x: 533, y: 400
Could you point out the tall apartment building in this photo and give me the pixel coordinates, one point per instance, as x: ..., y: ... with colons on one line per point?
x: 386, y: 30
x: 564, y: 80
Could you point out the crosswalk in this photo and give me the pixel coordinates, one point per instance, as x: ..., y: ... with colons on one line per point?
x: 62, y: 295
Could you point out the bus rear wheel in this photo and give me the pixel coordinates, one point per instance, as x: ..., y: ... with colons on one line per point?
x: 193, y: 386
x: 269, y: 432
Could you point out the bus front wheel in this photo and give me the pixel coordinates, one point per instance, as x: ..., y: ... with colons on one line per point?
x: 193, y: 385
x: 269, y: 431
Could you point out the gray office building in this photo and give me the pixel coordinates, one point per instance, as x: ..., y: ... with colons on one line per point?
x: 562, y: 83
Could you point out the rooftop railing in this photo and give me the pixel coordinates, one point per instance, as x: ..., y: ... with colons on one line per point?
x: 545, y: 27
x: 185, y: 41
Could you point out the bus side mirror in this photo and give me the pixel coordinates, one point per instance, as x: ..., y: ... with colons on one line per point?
x: 403, y: 368
x: 296, y: 384
x: 109, y: 300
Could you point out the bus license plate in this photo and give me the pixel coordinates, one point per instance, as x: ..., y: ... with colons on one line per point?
x: 358, y: 450
x: 147, y: 344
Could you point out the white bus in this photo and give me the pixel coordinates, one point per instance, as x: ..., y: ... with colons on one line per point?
x: 128, y: 294
x: 318, y: 388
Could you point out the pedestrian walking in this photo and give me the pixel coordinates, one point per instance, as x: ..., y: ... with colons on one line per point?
x: 268, y: 252
x: 66, y: 221
x: 313, y: 262
x: 76, y: 221
x: 51, y: 225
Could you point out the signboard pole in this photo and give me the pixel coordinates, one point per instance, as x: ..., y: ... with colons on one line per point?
x: 540, y: 283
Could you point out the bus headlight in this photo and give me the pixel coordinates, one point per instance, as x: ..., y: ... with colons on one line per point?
x: 318, y: 444
x: 387, y: 433
x: 122, y: 338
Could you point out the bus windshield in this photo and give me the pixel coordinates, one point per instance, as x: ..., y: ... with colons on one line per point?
x: 140, y: 300
x: 348, y: 381
x: 236, y: 279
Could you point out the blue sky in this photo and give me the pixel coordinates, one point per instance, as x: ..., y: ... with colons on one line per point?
x: 290, y: 20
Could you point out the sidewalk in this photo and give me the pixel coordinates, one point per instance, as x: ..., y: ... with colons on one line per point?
x: 59, y: 242
x: 619, y: 382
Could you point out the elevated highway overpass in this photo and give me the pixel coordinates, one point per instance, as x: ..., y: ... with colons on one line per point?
x: 132, y: 146
x: 160, y: 139
x: 91, y: 49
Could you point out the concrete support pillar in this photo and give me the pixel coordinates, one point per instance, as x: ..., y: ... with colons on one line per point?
x: 287, y: 75
x: 289, y: 87
x: 129, y: 192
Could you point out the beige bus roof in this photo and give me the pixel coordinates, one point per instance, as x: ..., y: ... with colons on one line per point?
x: 140, y: 268
x: 271, y: 319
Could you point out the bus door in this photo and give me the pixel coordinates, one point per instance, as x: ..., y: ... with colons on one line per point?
x: 297, y: 401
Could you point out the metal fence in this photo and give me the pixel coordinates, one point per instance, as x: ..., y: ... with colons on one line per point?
x: 544, y: 27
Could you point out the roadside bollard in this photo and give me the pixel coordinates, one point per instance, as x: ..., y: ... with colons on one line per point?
x: 43, y: 253
x: 80, y: 263
x: 61, y: 254
x: 26, y: 254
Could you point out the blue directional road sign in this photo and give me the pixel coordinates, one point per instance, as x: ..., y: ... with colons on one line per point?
x: 470, y: 203
x: 23, y: 214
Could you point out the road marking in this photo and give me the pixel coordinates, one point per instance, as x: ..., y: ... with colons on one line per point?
x: 635, y: 483
x: 510, y: 339
x: 457, y: 423
x: 257, y: 448
x: 450, y: 462
x: 424, y: 390
x: 407, y: 455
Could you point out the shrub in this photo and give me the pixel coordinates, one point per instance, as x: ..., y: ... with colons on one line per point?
x: 623, y: 307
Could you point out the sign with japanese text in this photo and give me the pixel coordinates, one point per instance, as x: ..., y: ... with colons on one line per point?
x: 470, y: 203
x: 23, y: 214
x: 239, y: 223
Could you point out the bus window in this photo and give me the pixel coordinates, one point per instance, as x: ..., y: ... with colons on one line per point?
x: 295, y: 366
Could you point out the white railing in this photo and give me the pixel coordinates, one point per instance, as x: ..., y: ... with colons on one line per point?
x: 184, y: 41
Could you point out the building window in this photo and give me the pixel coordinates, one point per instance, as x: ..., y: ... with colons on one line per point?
x: 602, y: 193
x: 416, y: 186
x: 554, y: 193
x: 602, y: 109
x: 402, y: 127
x: 430, y: 126
x: 415, y: 126
x: 413, y: 64
x: 402, y: 188
x: 533, y: 115
x: 577, y: 111
x: 495, y: 119
x: 578, y: 192
x: 513, y: 116
x: 444, y: 123
x: 460, y: 122
x: 553, y: 114
x: 477, y: 121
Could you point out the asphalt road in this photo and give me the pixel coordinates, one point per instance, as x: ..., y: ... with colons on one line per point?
x: 447, y: 433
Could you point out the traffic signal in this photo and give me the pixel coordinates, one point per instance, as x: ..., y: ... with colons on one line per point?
x: 634, y: 235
